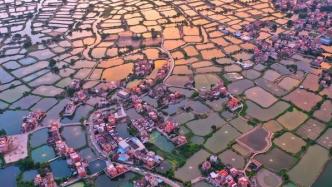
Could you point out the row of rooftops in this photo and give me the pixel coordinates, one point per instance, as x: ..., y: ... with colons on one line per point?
x: 228, y: 176
x: 115, y: 170
x: 147, y: 181
x: 63, y: 149
x: 220, y: 91
x: 325, y: 79
x: 32, y: 120
x: 46, y: 180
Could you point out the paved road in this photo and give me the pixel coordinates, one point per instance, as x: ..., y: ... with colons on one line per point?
x: 144, y: 172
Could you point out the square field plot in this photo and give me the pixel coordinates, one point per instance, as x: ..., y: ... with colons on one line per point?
x: 272, y: 126
x: 310, y: 166
x: 221, y: 138
x: 326, y: 139
x: 291, y: 120
x: 325, y: 111
x: 190, y: 170
x: 289, y: 142
x: 276, y: 160
x: 232, y: 158
x: 202, y: 127
x: 303, y: 99
x: 260, y: 96
x: 310, y: 129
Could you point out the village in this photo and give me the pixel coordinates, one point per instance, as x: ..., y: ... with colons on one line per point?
x: 166, y: 93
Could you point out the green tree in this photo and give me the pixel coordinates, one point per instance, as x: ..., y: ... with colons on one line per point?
x: 214, y: 128
x: 169, y: 173
x: 3, y: 132
x: 26, y: 164
x: 284, y: 175
x: 51, y: 63
x: 289, y: 23
x: 187, y: 184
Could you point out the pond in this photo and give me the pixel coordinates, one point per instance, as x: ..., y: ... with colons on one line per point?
x: 81, y: 112
x: 60, y: 169
x: 74, y: 136
x: 11, y: 121
x: 87, y: 154
x: 122, y: 130
x: 324, y: 178
x: 29, y: 175
x: 161, y: 141
x: 42, y: 154
x: 96, y: 166
x: 38, y: 138
x: 8, y: 176
x: 122, y: 181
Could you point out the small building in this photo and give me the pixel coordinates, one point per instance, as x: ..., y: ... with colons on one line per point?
x: 243, y: 182
x: 115, y: 170
x: 45, y: 181
x: 123, y: 94
x: 81, y: 171
x: 233, y: 104
x: 120, y: 114
x: 206, y: 165
x: 326, y: 40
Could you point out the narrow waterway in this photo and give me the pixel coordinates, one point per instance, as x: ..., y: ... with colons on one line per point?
x: 87, y: 51
x: 35, y: 38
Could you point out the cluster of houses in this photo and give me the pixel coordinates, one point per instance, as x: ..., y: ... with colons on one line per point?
x: 316, y: 63
x: 80, y: 95
x: 104, y: 88
x: 143, y: 68
x: 325, y: 79
x: 215, y: 92
x: 62, y: 149
x: 32, y: 120
x: 145, y: 109
x: 105, y: 134
x: 162, y: 72
x: 169, y: 130
x: 145, y: 85
x: 281, y: 45
x: 164, y: 95
x: 129, y: 150
x: 313, y: 16
x: 144, y: 127
x: 227, y: 176
x: 238, y: 34
x: 132, y: 151
x: 219, y: 90
x: 45, y: 180
x: 142, y: 86
x: 245, y: 64
x: 79, y: 98
x: 153, y: 120
x: 148, y: 181
x: 115, y: 170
